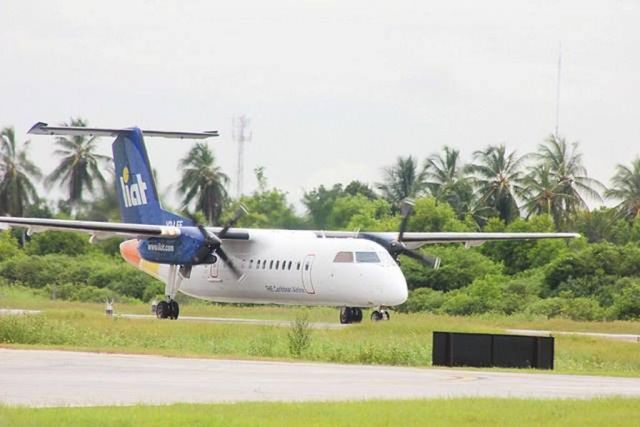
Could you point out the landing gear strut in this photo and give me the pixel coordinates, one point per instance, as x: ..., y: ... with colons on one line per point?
x: 380, y: 314
x: 350, y: 315
x: 170, y: 309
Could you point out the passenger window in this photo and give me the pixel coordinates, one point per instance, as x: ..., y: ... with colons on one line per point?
x: 284, y: 264
x: 306, y: 266
x: 277, y: 264
x: 250, y: 263
x: 264, y: 264
x: 367, y: 257
x: 298, y: 265
x: 271, y: 265
x: 289, y: 266
x: 343, y: 257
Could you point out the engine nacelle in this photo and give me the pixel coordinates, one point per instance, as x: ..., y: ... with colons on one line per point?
x: 181, y: 250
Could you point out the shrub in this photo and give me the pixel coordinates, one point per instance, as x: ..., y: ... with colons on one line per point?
x: 423, y: 299
x: 300, y: 335
x: 627, y: 304
x: 459, y: 268
x: 8, y: 246
x: 58, y: 242
x: 461, y: 304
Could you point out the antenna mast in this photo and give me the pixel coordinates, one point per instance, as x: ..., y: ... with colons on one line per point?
x: 558, y: 92
x: 241, y: 134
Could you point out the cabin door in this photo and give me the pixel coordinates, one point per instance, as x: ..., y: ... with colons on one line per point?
x: 307, y: 267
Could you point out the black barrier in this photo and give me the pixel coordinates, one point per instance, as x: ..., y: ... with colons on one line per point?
x: 481, y: 350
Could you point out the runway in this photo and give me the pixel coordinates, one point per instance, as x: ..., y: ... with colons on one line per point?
x: 60, y: 378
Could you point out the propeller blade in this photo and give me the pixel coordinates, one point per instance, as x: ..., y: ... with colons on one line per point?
x: 405, y: 212
x: 229, y: 263
x: 210, y: 243
x: 431, y: 261
x: 242, y: 211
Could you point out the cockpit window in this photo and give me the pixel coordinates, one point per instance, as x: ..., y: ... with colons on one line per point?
x: 367, y: 257
x: 343, y: 257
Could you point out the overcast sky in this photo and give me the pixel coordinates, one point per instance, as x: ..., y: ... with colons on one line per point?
x: 336, y: 90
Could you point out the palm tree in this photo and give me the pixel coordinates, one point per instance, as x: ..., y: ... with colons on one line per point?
x: 80, y: 166
x: 203, y: 181
x: 568, y: 172
x: 16, y: 188
x: 403, y: 180
x: 498, y: 177
x: 626, y: 187
x: 543, y: 193
x: 447, y: 182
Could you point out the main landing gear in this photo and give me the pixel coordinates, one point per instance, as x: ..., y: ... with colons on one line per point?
x: 350, y: 315
x: 168, y: 309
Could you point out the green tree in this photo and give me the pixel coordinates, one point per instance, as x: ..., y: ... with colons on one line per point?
x: 17, y: 190
x: 498, y: 176
x: 80, y: 166
x: 203, y: 181
x: 358, y: 212
x: 519, y: 256
x: 447, y: 180
x: 566, y: 169
x: 406, y: 179
x: 355, y: 188
x: 319, y: 203
x: 266, y: 209
x: 542, y: 195
x: 626, y: 188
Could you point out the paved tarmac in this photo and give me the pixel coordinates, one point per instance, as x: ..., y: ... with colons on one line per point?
x: 60, y: 378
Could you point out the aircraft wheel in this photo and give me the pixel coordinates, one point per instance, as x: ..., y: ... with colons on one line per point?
x: 162, y: 310
x: 376, y: 316
x: 357, y: 315
x: 174, y: 309
x: 345, y: 315
x: 387, y: 316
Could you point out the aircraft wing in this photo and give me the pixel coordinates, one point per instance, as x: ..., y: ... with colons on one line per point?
x: 103, y: 230
x: 414, y: 240
x: 99, y: 229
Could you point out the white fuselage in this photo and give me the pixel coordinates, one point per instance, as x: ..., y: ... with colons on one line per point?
x: 296, y: 267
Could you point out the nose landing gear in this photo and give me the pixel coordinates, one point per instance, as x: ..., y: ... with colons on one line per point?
x: 380, y: 314
x: 350, y: 315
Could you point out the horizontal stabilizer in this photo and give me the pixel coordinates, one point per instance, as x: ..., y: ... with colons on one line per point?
x: 41, y: 128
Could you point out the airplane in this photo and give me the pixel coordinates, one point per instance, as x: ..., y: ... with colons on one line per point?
x: 347, y: 269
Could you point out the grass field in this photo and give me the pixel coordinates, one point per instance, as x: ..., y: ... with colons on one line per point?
x: 405, y: 340
x: 438, y: 412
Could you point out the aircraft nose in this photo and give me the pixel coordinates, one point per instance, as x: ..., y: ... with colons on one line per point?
x: 398, y: 292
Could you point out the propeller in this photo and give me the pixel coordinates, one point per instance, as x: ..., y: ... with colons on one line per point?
x: 397, y: 247
x: 213, y: 244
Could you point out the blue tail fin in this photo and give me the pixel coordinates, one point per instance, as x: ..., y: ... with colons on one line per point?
x: 137, y: 194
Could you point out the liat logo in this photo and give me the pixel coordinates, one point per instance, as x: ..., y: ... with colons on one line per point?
x: 134, y: 192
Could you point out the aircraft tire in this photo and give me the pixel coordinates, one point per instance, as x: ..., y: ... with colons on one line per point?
x: 345, y: 315
x: 376, y: 316
x: 387, y: 316
x: 174, y: 310
x: 356, y: 314
x: 162, y: 310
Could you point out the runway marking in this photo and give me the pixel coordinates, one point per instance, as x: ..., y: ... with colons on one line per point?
x: 60, y: 378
